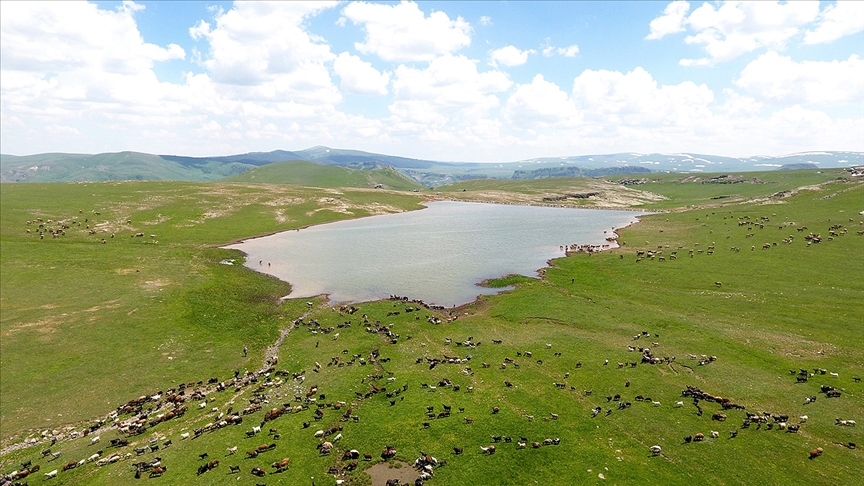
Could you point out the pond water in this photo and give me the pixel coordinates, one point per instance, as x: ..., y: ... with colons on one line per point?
x: 438, y: 254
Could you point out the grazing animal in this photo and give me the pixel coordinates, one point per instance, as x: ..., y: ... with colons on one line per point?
x: 232, y: 450
x: 281, y: 465
x: 488, y: 450
x: 234, y: 469
x: 457, y: 450
x: 816, y: 453
x: 655, y: 450
x: 52, y: 474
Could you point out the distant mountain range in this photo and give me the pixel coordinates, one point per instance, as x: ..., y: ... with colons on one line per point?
x: 60, y: 167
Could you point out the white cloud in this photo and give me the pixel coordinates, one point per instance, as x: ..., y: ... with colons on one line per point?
x: 485, y: 21
x: 402, y: 32
x: 360, y: 77
x: 635, y: 99
x: 549, y: 51
x: 671, y: 22
x: 778, y: 79
x: 729, y: 29
x: 450, y: 91
x: 55, y: 129
x: 509, y: 56
x: 40, y: 36
x: 570, y: 51
x: 254, y: 43
x: 836, y: 21
x: 539, y: 103
x: 735, y: 28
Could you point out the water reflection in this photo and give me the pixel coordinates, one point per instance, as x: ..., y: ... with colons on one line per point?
x: 437, y: 254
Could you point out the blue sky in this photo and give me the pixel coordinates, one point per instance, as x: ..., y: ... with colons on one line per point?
x: 462, y: 81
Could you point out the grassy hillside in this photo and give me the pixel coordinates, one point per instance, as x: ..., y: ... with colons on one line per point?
x: 107, y: 317
x: 304, y: 173
x: 110, y: 167
x: 655, y: 191
x: 760, y: 312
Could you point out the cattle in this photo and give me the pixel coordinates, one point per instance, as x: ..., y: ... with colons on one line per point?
x: 457, y: 450
x: 52, y: 474
x: 234, y: 469
x: 257, y: 471
x: 816, y: 453
x: 281, y: 465
x: 715, y: 434
x: 488, y: 450
x: 232, y: 450
x: 655, y: 450
x: 157, y: 471
x: 70, y: 465
x: 718, y: 416
x: 698, y: 437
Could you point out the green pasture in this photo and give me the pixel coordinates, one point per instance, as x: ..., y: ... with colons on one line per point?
x: 311, y: 174
x: 658, y: 191
x: 87, y: 326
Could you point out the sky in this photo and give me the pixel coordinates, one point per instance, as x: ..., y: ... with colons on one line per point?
x: 451, y: 81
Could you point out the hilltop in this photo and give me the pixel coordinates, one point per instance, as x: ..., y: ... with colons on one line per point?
x: 310, y: 174
x: 59, y: 167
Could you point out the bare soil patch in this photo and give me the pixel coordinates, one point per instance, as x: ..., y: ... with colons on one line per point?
x: 383, y: 471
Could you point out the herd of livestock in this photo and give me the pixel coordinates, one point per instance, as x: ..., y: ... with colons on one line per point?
x: 146, y: 413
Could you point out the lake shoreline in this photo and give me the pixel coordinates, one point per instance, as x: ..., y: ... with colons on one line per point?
x: 461, y: 252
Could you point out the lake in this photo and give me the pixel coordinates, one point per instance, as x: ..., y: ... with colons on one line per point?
x: 438, y: 254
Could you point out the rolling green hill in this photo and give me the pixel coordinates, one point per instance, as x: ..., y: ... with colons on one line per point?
x: 116, y: 290
x: 60, y: 167
x: 310, y: 174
